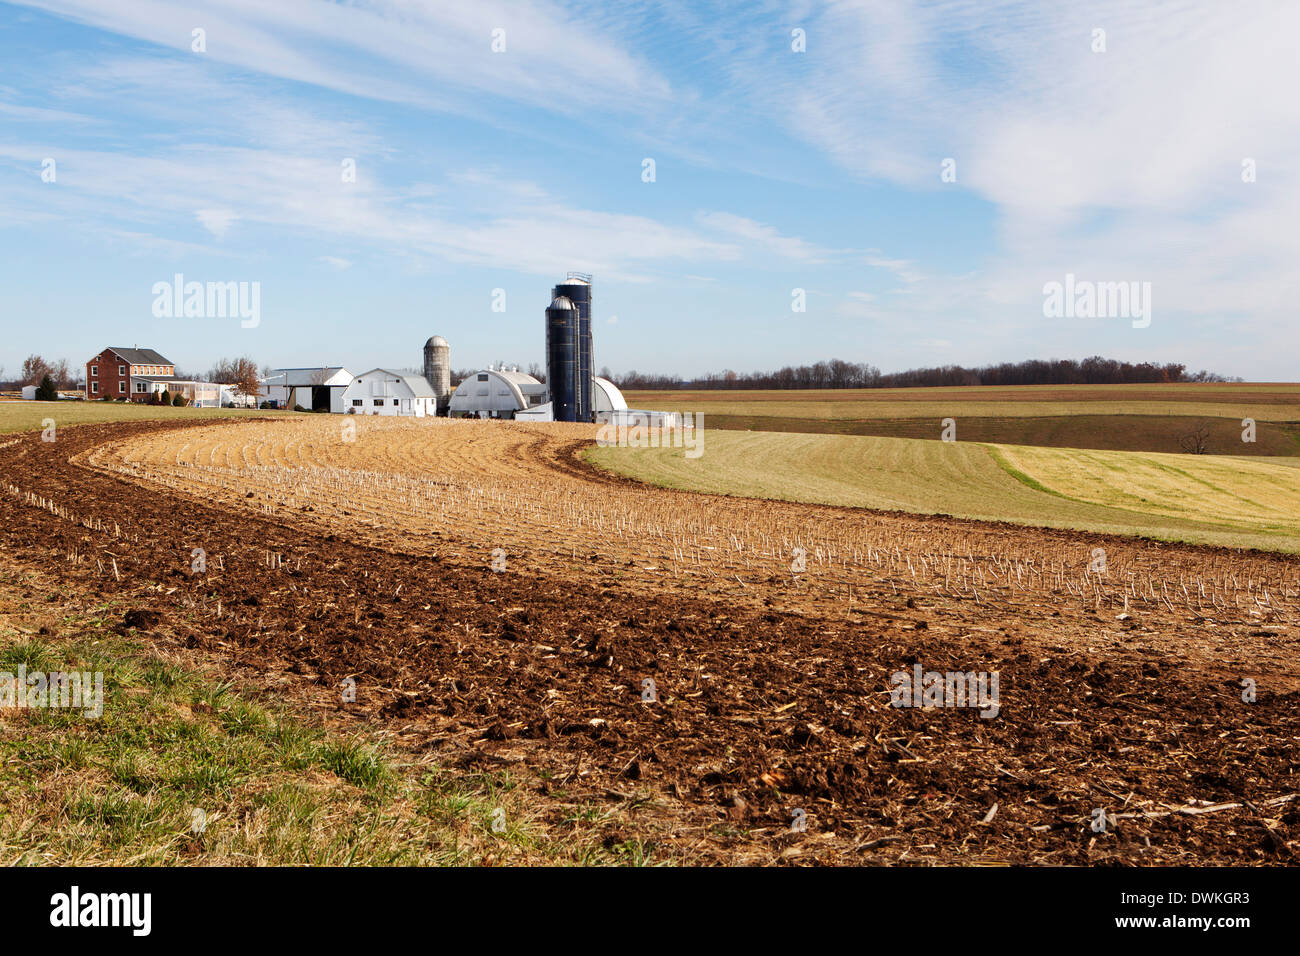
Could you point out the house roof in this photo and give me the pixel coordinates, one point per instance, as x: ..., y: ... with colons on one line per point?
x: 140, y: 356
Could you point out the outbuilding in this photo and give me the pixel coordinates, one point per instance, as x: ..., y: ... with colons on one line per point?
x: 497, y: 393
x: 382, y: 391
x: 316, y: 389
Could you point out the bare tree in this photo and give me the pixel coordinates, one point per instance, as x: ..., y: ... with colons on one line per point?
x: 61, y: 374
x: 240, y: 372
x: 1196, y: 441
x: 35, y: 368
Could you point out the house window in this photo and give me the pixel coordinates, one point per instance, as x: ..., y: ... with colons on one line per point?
x: 94, y: 388
x: 94, y: 371
x: 379, y: 401
x: 394, y: 401
x: 121, y: 388
x: 121, y: 370
x: 358, y: 402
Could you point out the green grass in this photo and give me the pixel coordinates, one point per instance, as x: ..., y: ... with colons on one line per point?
x: 184, y: 768
x: 30, y: 416
x: 1133, y: 493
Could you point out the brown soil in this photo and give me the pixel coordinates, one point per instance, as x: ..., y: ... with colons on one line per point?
x: 766, y: 704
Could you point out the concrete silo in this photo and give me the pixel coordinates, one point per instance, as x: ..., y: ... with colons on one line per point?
x: 437, y: 370
x: 562, y: 358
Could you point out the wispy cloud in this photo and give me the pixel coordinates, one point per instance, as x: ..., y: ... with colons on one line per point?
x: 428, y: 54
x: 765, y: 237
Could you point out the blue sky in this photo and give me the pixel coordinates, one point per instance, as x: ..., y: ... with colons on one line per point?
x: 775, y: 170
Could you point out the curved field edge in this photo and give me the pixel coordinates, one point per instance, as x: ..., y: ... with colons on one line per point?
x: 964, y: 480
x: 16, y: 417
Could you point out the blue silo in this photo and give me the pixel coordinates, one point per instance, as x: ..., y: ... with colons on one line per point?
x: 562, y: 358
x: 577, y: 289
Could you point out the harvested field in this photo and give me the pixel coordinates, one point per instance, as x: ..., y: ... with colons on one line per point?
x: 1203, y: 499
x: 1258, y: 400
x: 1158, y: 433
x: 1113, y: 417
x: 370, y: 555
x: 17, y: 416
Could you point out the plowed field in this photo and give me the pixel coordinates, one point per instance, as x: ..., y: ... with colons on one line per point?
x: 500, y: 603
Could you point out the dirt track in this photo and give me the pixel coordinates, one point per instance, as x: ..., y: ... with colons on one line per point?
x: 766, y: 704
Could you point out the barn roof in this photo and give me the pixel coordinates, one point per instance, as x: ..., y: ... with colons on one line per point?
x: 418, y: 384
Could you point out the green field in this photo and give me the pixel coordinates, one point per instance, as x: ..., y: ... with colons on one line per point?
x: 1238, y: 502
x: 1115, y: 417
x: 26, y: 416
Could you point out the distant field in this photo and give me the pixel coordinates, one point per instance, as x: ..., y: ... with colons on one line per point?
x: 1159, y: 433
x: 1198, y: 498
x: 1115, y: 417
x: 26, y: 416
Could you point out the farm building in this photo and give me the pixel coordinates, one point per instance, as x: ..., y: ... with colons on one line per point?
x: 608, y: 404
x: 29, y: 393
x: 606, y: 399
x: 384, y: 392
x: 317, y: 389
x: 199, y: 394
x: 127, y: 373
x: 497, y: 393
x: 232, y: 397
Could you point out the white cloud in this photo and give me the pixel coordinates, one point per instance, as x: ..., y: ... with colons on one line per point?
x: 1123, y: 164
x: 429, y: 54
x: 216, y: 221
x: 766, y: 237
x: 902, y: 268
x: 303, y: 195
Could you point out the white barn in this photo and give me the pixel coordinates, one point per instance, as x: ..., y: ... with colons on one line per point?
x: 384, y: 392
x: 319, y: 388
x: 497, y: 393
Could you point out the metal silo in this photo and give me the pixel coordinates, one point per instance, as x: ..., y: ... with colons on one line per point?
x: 577, y: 288
x: 562, y: 358
x: 437, y: 369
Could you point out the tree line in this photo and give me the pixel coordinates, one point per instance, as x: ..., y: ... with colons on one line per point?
x: 835, y: 373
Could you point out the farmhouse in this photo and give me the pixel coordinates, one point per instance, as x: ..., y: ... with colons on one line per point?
x: 384, y: 392
x: 127, y: 373
x: 319, y: 389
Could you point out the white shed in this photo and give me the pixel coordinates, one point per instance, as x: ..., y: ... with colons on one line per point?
x: 318, y: 389
x: 29, y: 392
x: 384, y: 392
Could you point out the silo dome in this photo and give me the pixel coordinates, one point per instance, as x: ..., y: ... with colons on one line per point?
x: 436, y: 342
x: 562, y: 302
